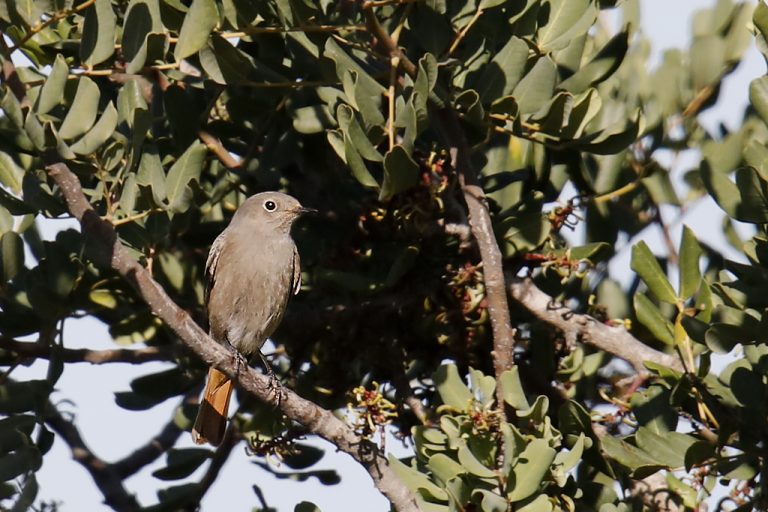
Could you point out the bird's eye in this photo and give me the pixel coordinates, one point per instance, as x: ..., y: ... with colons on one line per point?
x: 270, y: 206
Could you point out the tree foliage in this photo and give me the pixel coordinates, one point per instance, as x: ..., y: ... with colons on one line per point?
x: 450, y: 147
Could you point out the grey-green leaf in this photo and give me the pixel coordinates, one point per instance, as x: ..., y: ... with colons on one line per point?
x: 401, y: 172
x: 451, y: 387
x: 98, y: 42
x: 501, y: 75
x: 512, y: 389
x: 99, y: 134
x: 531, y: 469
x: 82, y: 113
x: 200, y: 20
x: 649, y: 270
x: 53, y: 89
x: 650, y: 316
x: 690, y: 274
x: 535, y: 88
x: 185, y: 169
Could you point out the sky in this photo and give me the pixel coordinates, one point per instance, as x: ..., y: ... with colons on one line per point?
x: 88, y: 390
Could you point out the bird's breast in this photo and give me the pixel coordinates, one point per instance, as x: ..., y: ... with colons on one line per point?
x: 251, y: 288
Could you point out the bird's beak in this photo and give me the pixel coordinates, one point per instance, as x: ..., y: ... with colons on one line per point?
x: 302, y: 210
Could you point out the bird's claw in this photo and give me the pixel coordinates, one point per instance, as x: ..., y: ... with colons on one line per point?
x: 274, y: 386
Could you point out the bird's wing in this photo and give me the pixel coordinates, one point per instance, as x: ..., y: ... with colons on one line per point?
x: 210, y: 265
x: 296, y: 271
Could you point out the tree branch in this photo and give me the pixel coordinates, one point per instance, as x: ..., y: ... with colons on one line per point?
x: 154, y: 448
x: 614, y: 340
x: 384, y: 39
x: 104, y: 475
x: 84, y: 355
x: 482, y: 229
x: 110, y: 252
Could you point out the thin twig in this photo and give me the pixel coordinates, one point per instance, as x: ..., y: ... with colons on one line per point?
x: 375, y: 28
x: 84, y: 355
x: 154, y: 448
x: 215, y: 146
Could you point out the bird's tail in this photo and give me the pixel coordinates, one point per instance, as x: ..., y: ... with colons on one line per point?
x: 211, y: 419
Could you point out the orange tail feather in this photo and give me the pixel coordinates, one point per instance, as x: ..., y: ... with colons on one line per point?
x: 211, y: 419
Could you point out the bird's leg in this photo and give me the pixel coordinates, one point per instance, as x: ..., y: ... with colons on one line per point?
x: 239, y: 357
x: 274, y: 383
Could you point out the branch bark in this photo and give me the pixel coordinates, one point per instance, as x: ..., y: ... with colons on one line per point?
x: 614, y: 340
x: 482, y: 230
x: 84, y: 355
x: 110, y: 252
x: 104, y: 475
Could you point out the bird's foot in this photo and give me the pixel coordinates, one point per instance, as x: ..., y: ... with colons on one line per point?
x: 240, y: 360
x: 274, y: 386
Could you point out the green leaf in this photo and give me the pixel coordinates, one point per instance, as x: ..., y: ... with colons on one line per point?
x: 531, y: 470
x: 668, y: 449
x: 187, y: 168
x: 707, y: 60
x: 11, y: 175
x: 489, y: 501
x: 225, y: 63
x: 444, y: 468
x: 11, y: 255
x: 200, y: 20
x: 16, y: 463
x: 346, y: 64
x: 562, y: 20
x: 400, y: 173
x: 142, y: 18
x: 82, y: 113
x: 758, y: 96
x: 356, y: 164
x: 415, y: 480
x: 52, y: 91
x: 312, y: 119
x: 502, y: 74
x: 352, y: 129
x: 690, y: 274
x: 99, y: 134
x: 98, y: 42
x: 601, y: 66
x: 649, y: 270
x: 535, y: 88
x: 182, y: 462
x: 568, y: 460
x: 451, y: 387
x: 512, y: 389
x: 306, y: 506
x: 638, y: 461
x: 650, y: 316
x: 472, y: 465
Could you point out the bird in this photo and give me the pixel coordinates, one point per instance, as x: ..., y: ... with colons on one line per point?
x: 252, y: 270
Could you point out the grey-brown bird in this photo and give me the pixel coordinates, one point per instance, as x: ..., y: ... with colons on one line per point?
x: 252, y: 270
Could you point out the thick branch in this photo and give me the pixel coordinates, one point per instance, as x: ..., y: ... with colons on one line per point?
x: 84, y: 355
x: 614, y: 340
x: 109, y: 251
x: 482, y: 229
x: 104, y: 475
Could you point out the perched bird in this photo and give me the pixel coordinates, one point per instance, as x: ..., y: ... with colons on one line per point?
x: 251, y: 271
